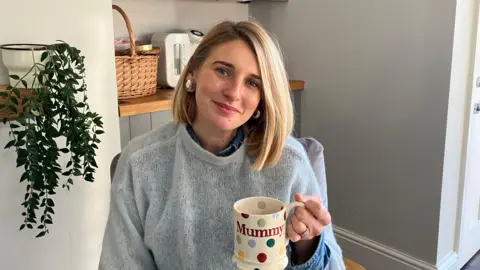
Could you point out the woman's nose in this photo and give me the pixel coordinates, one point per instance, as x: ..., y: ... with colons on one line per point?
x: 234, y: 90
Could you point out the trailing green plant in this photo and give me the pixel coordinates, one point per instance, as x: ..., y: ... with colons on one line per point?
x: 54, y: 126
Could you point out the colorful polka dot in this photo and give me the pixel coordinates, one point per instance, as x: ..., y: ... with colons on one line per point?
x: 282, y: 251
x: 281, y: 208
x: 241, y: 255
x: 262, y: 257
x: 251, y: 243
x: 284, y: 217
x: 262, y: 205
x: 261, y: 222
x: 271, y: 242
x: 239, y: 239
x: 244, y: 216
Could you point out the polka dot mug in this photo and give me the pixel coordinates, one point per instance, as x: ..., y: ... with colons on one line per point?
x: 260, y: 233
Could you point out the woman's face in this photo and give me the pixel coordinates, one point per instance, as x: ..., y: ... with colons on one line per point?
x: 228, y: 86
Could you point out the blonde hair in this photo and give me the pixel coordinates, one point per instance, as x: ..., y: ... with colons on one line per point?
x: 266, y: 136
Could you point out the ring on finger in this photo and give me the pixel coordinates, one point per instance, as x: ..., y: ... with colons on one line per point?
x: 306, y: 233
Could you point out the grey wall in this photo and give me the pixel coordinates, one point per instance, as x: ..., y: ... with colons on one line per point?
x: 151, y: 16
x: 378, y: 82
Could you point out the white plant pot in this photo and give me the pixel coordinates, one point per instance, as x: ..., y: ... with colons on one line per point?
x: 19, y: 60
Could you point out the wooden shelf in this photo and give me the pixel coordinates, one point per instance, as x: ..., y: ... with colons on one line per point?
x: 163, y: 98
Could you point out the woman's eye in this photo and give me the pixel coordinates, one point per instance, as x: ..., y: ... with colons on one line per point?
x: 222, y: 72
x: 252, y: 83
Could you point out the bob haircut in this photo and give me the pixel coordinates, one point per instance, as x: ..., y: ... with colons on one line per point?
x: 265, y: 136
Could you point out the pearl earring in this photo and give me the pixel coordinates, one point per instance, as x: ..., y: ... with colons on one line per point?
x: 189, y: 86
x: 257, y: 114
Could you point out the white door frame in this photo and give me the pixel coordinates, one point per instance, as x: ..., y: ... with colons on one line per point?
x: 466, y: 132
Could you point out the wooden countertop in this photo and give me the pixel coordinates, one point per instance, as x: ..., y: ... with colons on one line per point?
x: 162, y: 101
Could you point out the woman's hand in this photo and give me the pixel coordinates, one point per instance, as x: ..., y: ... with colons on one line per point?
x: 306, y: 224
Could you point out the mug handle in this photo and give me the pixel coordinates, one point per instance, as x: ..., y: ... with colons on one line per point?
x: 289, y: 207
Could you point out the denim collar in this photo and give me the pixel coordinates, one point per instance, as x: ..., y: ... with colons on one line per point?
x: 232, y: 146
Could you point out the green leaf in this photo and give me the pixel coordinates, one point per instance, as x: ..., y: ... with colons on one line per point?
x: 15, y: 77
x: 3, y: 94
x: 22, y: 153
x: 50, y: 210
x: 21, y: 135
x: 29, y: 226
x: 14, y: 100
x: 12, y: 108
x: 24, y: 84
x: 24, y: 176
x: 48, y: 221
x: 44, y: 56
x: 40, y: 227
x: 13, y: 126
x: 10, y: 144
x: 64, y: 150
x: 21, y: 162
x: 69, y: 163
x: 70, y: 181
x: 98, y: 132
x: 16, y: 92
x: 40, y: 234
x: 22, y: 227
x: 20, y: 143
x: 50, y: 202
x: 25, y: 100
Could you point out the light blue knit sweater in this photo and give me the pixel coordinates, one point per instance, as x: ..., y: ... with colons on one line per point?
x: 172, y: 200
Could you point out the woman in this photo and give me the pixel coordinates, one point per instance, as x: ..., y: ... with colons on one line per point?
x: 174, y: 187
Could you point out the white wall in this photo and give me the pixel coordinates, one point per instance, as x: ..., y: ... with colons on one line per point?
x: 377, y: 89
x: 75, y: 238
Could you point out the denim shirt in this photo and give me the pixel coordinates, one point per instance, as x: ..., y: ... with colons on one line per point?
x: 232, y: 146
x: 321, y: 257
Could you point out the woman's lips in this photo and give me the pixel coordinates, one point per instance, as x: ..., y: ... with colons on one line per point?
x: 226, y: 109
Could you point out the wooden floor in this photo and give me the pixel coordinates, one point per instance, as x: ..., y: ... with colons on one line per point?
x: 474, y: 263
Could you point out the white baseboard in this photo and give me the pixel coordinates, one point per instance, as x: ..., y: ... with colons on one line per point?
x: 375, y: 256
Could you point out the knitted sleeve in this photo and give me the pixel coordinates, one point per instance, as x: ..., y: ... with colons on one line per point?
x: 308, y: 184
x: 123, y: 245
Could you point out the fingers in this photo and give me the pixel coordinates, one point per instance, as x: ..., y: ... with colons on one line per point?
x: 319, y: 212
x: 292, y: 235
x: 312, y: 218
x: 314, y: 205
x: 298, y: 226
x: 305, y: 198
x: 304, y: 217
